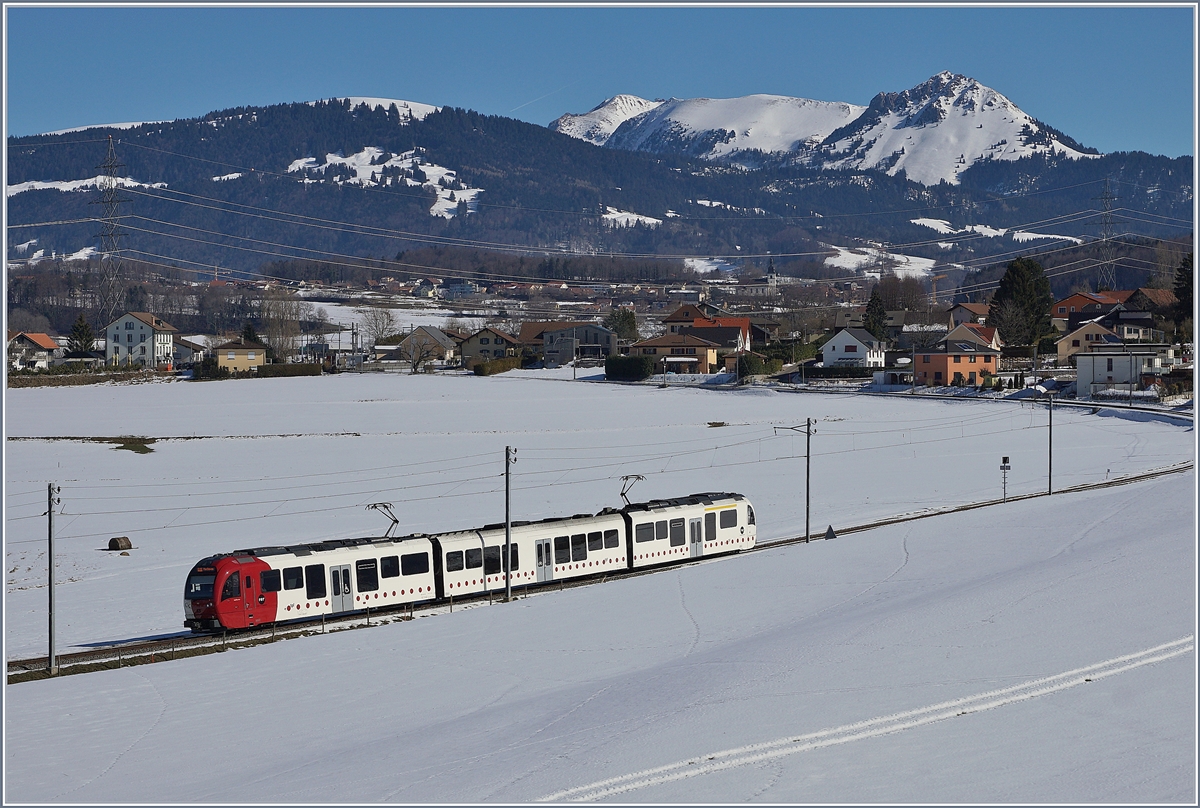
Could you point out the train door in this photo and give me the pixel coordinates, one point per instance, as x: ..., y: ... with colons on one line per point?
x: 249, y: 595
x: 341, y: 598
x: 545, y: 572
x: 695, y: 538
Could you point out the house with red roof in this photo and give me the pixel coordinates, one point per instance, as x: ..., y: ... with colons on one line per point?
x: 31, y: 350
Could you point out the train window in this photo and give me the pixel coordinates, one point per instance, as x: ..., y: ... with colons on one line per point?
x: 579, y: 547
x: 660, y: 529
x: 314, y: 578
x: 389, y: 567
x: 491, y: 559
x: 644, y: 532
x: 562, y: 549
x: 677, y: 535
x: 414, y: 563
x: 539, y: 555
x: 249, y: 583
x: 232, y: 588
x: 454, y: 561
x: 516, y: 561
x: 595, y: 541
x: 729, y: 518
x: 474, y: 558
x: 199, y: 586
x: 293, y: 577
x: 366, y: 572
x: 271, y: 580
x: 612, y: 539
x: 749, y: 515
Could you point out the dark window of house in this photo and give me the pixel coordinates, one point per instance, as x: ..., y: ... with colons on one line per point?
x: 414, y: 563
x: 924, y: 359
x: 270, y: 580
x: 644, y: 532
x: 314, y: 579
x: 660, y: 529
x: 851, y: 349
x: 1075, y: 342
x: 366, y: 571
x: 232, y: 588
x: 729, y: 518
x: 474, y: 558
x: 293, y: 577
x: 562, y: 549
x: 579, y: 547
x: 612, y: 539
x: 677, y: 534
x: 389, y: 567
x: 595, y: 541
x: 454, y: 561
x: 958, y: 360
x: 491, y: 559
x: 937, y: 375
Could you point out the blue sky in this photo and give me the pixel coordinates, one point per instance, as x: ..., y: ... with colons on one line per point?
x: 1116, y: 79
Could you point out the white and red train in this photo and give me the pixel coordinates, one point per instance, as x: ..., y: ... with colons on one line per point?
x: 271, y: 584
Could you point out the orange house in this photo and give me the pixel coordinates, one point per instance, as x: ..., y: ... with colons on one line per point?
x: 968, y: 361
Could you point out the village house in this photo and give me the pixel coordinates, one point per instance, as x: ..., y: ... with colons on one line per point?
x: 678, y: 353
x: 1130, y: 368
x: 487, y: 344
x: 240, y: 355
x: 853, y: 348
x: 969, y: 313
x: 589, y: 341
x: 140, y: 338
x: 974, y: 332
x: 423, y: 344
x: 186, y: 352
x: 963, y: 362
x: 530, y: 335
x: 31, y: 350
x: 1083, y: 339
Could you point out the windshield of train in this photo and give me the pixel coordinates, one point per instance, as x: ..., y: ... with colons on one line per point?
x: 199, y: 586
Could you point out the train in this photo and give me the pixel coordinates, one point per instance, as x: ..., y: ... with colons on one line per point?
x: 265, y: 585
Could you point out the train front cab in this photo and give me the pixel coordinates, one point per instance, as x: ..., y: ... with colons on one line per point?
x: 228, y: 592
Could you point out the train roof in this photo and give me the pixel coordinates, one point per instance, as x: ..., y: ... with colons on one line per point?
x: 328, y: 544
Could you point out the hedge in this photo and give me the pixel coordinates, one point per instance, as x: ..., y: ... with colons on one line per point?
x: 628, y: 368
x: 293, y: 369
x: 838, y: 373
x: 497, y: 366
x: 751, y: 365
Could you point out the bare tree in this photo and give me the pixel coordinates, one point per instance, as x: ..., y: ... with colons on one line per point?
x: 377, y: 322
x: 280, y: 314
x: 418, y: 348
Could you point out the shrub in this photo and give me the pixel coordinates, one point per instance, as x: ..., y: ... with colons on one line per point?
x: 497, y: 366
x: 628, y: 368
x: 297, y: 369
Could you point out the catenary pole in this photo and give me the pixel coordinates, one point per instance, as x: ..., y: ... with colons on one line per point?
x: 1050, y: 450
x: 807, y: 475
x: 51, y: 501
x: 508, y: 450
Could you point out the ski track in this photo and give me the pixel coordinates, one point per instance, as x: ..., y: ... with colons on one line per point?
x: 871, y: 728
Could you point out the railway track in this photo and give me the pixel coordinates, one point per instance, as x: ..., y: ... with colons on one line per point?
x: 175, y: 646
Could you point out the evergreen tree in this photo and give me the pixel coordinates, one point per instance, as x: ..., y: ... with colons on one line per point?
x: 875, y: 320
x: 623, y: 322
x: 249, y: 334
x: 81, y: 338
x: 1184, y: 276
x: 1020, y: 309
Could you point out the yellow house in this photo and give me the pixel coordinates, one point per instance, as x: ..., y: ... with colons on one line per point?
x: 1089, y: 336
x: 239, y: 356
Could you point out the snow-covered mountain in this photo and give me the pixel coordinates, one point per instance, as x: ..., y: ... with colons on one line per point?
x: 597, y: 125
x: 933, y: 131
x: 710, y: 128
x: 940, y: 128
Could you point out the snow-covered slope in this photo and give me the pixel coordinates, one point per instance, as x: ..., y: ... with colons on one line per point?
x: 713, y: 128
x: 933, y: 131
x: 597, y: 125
x: 412, y: 109
x: 940, y: 128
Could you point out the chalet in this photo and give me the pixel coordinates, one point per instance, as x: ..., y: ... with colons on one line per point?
x: 1084, y: 338
x: 974, y: 332
x: 31, y: 350
x: 969, y: 312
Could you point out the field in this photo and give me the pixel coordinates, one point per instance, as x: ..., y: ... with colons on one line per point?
x: 917, y: 662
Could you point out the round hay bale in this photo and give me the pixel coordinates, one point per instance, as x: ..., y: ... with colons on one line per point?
x: 124, y: 553
x: 120, y: 543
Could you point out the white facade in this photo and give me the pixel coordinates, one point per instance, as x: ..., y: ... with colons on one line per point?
x: 854, y: 348
x: 139, y: 338
x: 1113, y: 370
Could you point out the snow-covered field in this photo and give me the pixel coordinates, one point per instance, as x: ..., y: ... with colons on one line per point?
x: 1035, y: 651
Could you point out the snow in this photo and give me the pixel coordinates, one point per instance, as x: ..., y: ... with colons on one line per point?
x: 24, y: 246
x: 415, y: 109
x: 366, y: 165
x: 225, y: 177
x: 597, y: 125
x: 623, y: 218
x: 129, y: 125
x: 706, y: 266
x: 77, y: 185
x: 925, y: 661
x: 944, y: 227
x: 871, y: 260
